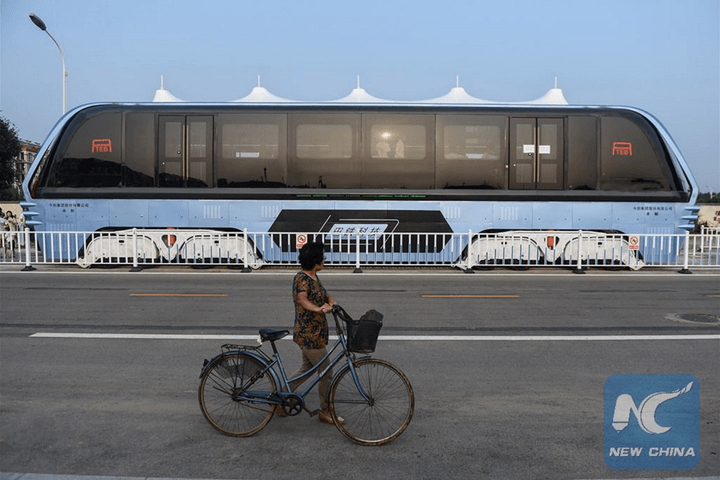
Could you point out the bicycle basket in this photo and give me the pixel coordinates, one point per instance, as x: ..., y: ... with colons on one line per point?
x: 362, y: 334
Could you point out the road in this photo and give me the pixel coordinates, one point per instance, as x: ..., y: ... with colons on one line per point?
x: 508, y: 370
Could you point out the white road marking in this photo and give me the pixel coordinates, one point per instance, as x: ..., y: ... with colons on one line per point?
x: 396, y: 338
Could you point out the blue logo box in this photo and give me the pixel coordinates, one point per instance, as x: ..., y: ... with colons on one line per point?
x: 652, y: 422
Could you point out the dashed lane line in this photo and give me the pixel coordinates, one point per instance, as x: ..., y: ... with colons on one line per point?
x: 178, y: 294
x: 470, y: 296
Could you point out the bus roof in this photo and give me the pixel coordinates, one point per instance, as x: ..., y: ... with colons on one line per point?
x: 457, y: 95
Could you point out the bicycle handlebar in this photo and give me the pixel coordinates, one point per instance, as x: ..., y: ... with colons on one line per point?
x: 339, y: 312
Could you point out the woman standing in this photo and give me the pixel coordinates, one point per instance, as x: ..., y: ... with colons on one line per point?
x: 312, y: 302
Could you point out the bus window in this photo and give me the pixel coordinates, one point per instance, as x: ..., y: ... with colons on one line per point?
x: 91, y: 157
x: 323, y: 141
x: 139, y: 152
x: 323, y: 150
x: 471, y: 152
x: 582, y: 153
x: 630, y: 157
x: 252, y: 150
x: 399, y: 151
x: 398, y: 141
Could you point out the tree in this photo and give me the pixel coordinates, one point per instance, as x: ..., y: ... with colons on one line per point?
x: 9, y: 151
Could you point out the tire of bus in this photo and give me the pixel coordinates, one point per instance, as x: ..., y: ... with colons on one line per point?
x: 389, y: 411
x: 226, y: 389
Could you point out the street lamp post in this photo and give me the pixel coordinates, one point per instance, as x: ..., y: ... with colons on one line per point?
x: 41, y: 25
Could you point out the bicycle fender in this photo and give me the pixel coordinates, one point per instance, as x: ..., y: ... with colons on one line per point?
x: 207, y: 362
x: 249, y: 353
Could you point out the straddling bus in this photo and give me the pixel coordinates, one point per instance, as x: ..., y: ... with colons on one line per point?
x: 457, y: 184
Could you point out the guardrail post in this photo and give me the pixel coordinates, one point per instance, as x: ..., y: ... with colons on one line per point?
x: 136, y: 267
x: 357, y: 253
x: 579, y: 269
x: 686, y: 260
x: 28, y: 265
x: 468, y: 267
x: 246, y: 268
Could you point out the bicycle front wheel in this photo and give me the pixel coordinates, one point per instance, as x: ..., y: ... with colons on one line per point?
x: 232, y: 394
x: 385, y: 415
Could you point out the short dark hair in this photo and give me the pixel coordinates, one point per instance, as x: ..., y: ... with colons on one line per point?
x: 311, y: 254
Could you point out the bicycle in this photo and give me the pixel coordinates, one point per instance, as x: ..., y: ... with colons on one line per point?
x: 239, y: 392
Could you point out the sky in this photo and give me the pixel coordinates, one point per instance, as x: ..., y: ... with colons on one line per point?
x: 662, y: 56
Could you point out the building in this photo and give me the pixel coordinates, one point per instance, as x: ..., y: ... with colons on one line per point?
x: 28, y: 151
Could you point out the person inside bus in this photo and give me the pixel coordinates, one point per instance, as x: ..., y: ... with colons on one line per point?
x: 312, y: 303
x: 400, y: 149
x: 383, y: 149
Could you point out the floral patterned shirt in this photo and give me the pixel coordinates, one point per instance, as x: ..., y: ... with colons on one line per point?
x: 311, y: 328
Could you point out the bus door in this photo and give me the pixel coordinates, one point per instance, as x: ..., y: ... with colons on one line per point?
x: 536, y: 154
x: 185, y: 151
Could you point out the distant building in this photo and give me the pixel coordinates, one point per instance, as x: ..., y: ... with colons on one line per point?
x: 28, y: 151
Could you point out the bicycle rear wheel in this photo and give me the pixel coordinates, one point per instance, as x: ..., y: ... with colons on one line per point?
x: 385, y: 416
x: 231, y: 391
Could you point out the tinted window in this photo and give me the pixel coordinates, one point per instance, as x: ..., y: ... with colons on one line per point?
x: 90, y: 156
x: 139, y: 158
x: 324, y: 141
x: 582, y: 153
x: 398, y: 141
x: 399, y: 151
x: 471, y: 151
x: 252, y: 150
x: 631, y: 157
x: 324, y: 150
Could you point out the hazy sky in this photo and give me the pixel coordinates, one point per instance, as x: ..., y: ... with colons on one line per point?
x: 659, y: 55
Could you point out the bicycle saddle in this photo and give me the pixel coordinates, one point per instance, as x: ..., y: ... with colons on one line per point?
x: 270, y: 335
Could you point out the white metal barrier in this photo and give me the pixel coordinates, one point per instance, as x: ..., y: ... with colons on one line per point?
x: 709, y: 239
x: 467, y: 251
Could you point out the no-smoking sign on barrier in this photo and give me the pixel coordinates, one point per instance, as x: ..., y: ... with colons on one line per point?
x: 634, y: 242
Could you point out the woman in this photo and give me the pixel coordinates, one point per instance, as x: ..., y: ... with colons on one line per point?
x: 312, y: 302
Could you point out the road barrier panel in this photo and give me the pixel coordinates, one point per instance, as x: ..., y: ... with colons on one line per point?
x: 578, y: 250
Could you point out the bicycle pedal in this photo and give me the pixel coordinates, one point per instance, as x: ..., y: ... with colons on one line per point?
x: 314, y: 413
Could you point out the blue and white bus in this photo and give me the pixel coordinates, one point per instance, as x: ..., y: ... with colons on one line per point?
x: 540, y: 173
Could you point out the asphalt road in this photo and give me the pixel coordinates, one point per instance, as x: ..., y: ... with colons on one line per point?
x: 508, y: 370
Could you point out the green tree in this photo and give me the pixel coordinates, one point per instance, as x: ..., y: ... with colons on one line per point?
x: 9, y: 151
